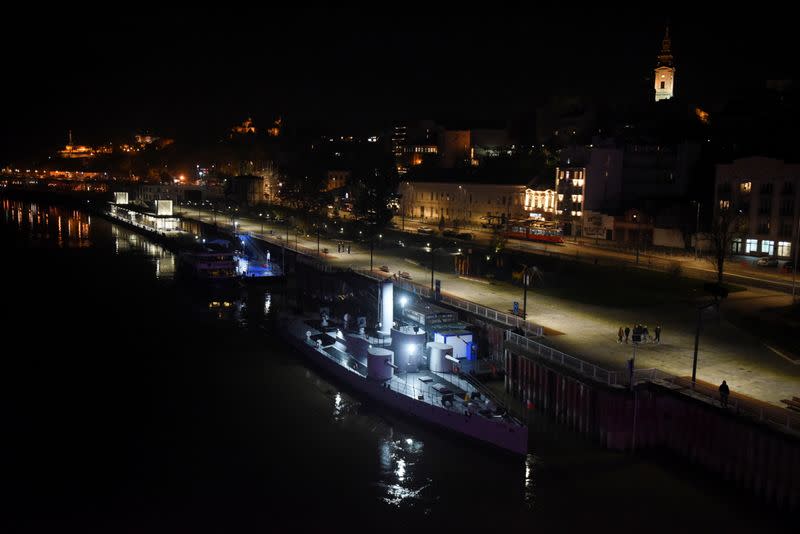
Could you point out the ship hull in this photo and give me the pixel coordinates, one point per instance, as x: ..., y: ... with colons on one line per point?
x: 502, y: 436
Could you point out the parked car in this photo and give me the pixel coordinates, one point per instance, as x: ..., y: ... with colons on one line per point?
x: 465, y: 235
x: 450, y: 233
x: 788, y: 267
x: 425, y: 230
x: 384, y: 268
x: 767, y: 261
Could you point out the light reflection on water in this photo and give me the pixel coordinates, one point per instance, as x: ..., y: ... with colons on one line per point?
x: 530, y: 487
x: 398, y: 458
x: 129, y: 242
x: 46, y: 225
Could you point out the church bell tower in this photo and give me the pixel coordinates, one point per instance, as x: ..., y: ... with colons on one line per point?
x: 665, y: 70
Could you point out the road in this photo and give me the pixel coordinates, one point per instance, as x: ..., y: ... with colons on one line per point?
x: 589, y: 332
x: 740, y: 269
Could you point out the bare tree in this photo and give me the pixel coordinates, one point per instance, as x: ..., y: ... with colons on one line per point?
x: 728, y: 224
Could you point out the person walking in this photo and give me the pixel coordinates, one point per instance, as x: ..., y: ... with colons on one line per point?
x: 627, y: 333
x: 724, y: 391
x: 645, y: 334
x: 658, y: 333
x: 620, y: 334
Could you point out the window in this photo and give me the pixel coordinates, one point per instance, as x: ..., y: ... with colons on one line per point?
x: 767, y: 247
x: 765, y: 205
x: 786, y: 229
x: 745, y: 187
x: 724, y: 187
x: 788, y: 188
x: 724, y: 204
x: 766, y: 189
x: 736, y: 246
x: 784, y: 248
x: 763, y: 226
x: 751, y: 246
x: 662, y: 84
x: 787, y: 206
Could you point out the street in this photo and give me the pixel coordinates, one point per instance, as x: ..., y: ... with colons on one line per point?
x: 589, y: 331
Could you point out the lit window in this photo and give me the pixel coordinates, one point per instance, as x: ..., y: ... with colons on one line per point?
x: 724, y: 204
x: 784, y: 248
x: 751, y: 246
x: 768, y: 247
x: 745, y: 187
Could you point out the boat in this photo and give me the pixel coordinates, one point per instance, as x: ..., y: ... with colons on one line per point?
x: 398, y: 367
x: 208, y: 263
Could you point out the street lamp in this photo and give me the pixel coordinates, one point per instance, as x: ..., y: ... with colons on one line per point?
x: 794, y: 266
x: 637, y: 217
x: 700, y: 309
x: 261, y: 215
x: 697, y: 231
x: 526, y: 276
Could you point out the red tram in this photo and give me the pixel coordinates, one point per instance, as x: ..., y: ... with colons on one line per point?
x: 546, y: 232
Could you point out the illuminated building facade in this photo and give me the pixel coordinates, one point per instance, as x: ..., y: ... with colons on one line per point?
x: 468, y: 203
x: 570, y: 192
x: 767, y: 192
x: 540, y: 204
x: 665, y: 71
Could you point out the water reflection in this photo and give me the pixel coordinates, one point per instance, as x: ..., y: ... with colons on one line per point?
x: 46, y: 225
x: 529, y: 493
x: 398, y: 459
x: 129, y: 242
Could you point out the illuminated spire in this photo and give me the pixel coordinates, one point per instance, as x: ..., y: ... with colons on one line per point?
x: 665, y: 57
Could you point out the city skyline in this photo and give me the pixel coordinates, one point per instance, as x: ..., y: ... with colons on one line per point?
x: 192, y: 75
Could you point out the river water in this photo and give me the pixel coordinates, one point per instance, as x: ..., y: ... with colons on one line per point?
x: 137, y: 403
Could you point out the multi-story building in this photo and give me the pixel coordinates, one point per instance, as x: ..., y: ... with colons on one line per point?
x: 336, y: 179
x: 766, y: 193
x: 540, y: 204
x: 463, y: 201
x: 570, y: 192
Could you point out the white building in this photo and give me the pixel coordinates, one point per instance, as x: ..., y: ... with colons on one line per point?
x: 665, y: 71
x: 766, y: 191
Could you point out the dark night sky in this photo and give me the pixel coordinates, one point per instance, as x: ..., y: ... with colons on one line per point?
x: 197, y: 72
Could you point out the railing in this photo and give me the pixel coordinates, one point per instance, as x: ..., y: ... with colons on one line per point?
x: 774, y: 415
x: 589, y: 370
x: 476, y: 309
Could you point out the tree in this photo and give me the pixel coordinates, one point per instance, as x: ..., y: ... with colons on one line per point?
x: 441, y: 223
x: 728, y: 224
x: 499, y: 239
x: 374, y: 187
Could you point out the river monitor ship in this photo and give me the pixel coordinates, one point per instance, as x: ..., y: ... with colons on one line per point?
x: 403, y: 366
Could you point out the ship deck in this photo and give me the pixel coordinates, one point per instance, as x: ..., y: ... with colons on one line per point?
x: 442, y: 390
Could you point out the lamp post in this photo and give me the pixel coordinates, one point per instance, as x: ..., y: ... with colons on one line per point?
x: 697, y: 336
x: 261, y: 216
x: 638, y: 217
x: 526, y: 277
x: 432, y: 264
x: 697, y: 231
x: 794, y: 266
x: 285, y: 246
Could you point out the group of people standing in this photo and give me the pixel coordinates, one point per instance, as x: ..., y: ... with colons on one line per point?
x: 341, y: 247
x: 641, y: 334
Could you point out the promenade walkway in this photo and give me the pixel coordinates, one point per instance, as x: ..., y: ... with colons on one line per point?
x: 750, y: 366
